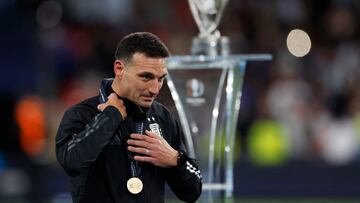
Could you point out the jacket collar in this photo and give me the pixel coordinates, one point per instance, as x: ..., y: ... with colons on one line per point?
x: 132, y: 109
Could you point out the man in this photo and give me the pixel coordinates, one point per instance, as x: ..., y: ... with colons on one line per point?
x: 121, y: 146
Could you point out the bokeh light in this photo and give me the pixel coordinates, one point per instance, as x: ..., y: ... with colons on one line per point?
x: 31, y: 120
x: 49, y: 14
x: 267, y: 144
x: 298, y: 43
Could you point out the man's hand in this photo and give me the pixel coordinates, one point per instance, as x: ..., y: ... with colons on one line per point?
x: 152, y: 149
x: 113, y: 100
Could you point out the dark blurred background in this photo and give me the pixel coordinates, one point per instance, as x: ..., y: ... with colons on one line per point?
x: 299, y: 124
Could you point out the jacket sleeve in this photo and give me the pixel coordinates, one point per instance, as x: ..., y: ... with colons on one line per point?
x: 185, y: 180
x: 81, y: 138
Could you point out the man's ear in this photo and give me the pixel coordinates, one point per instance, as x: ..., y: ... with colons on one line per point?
x: 119, y: 68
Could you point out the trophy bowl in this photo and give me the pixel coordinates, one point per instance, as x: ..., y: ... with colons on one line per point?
x: 207, y: 15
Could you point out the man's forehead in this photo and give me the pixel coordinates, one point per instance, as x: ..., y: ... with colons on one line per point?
x: 149, y: 64
x: 141, y: 57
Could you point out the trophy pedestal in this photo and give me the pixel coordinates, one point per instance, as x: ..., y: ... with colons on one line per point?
x: 207, y: 92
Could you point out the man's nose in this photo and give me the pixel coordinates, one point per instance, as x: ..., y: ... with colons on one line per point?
x: 155, y: 87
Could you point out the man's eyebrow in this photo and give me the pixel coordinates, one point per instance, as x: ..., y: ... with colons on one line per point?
x: 163, y: 76
x: 149, y: 74
x: 146, y: 73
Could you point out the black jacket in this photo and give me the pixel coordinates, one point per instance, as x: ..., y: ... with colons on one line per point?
x: 90, y: 146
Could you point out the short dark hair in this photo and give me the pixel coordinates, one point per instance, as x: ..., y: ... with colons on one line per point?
x: 141, y: 42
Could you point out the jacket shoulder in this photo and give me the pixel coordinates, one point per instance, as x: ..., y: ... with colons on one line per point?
x: 77, y: 116
x: 89, y: 103
x: 83, y: 110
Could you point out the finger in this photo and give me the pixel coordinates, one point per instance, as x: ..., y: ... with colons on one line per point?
x: 137, y: 136
x: 155, y: 139
x: 112, y: 95
x: 145, y: 159
x: 138, y: 143
x: 100, y: 107
x: 139, y: 150
x: 142, y: 137
x: 149, y: 133
x: 152, y: 134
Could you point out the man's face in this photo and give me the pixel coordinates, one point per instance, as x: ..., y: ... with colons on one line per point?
x: 141, y: 79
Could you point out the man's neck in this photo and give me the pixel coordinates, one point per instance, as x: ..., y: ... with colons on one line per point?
x: 114, y: 88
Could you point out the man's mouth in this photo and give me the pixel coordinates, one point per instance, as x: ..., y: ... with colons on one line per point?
x: 148, y: 98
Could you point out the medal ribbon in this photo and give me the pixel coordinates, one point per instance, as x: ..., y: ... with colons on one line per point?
x: 134, y: 166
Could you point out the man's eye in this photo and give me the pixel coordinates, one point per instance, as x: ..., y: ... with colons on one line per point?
x: 146, y: 77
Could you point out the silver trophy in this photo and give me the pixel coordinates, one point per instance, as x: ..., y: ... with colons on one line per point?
x: 206, y: 89
x: 207, y: 15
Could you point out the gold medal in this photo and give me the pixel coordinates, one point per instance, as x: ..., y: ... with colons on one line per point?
x: 134, y: 185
